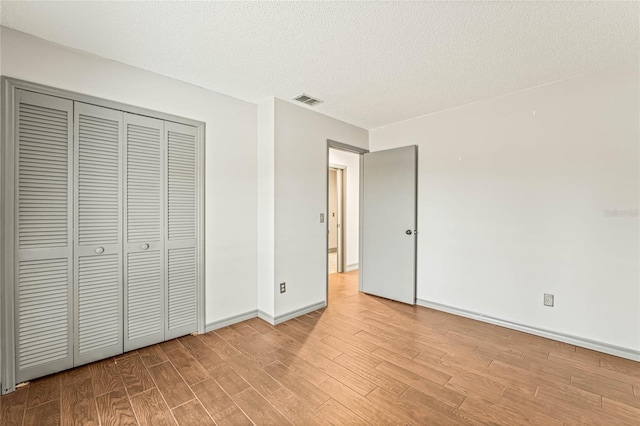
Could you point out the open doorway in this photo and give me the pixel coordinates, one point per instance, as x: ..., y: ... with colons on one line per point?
x: 380, y: 251
x: 343, y: 215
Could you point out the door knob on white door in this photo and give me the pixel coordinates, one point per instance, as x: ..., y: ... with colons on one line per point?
x: 100, y: 250
x: 145, y: 246
x: 408, y: 232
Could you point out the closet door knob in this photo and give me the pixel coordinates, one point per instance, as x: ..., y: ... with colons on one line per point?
x: 100, y: 250
x: 145, y: 246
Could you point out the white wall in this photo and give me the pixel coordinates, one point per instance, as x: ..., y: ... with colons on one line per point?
x: 513, y: 194
x: 300, y: 196
x: 351, y: 222
x: 266, y: 209
x: 231, y: 153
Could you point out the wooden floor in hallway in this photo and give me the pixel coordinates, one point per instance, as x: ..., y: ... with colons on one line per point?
x: 362, y: 360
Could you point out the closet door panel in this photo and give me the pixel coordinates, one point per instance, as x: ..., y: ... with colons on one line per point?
x: 43, y: 235
x: 98, y: 248
x: 144, y: 241
x: 145, y: 302
x: 99, y: 307
x: 180, y: 242
x: 182, y: 288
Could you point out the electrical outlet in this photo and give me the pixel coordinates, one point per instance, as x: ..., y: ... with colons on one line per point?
x: 548, y: 299
x: 283, y: 287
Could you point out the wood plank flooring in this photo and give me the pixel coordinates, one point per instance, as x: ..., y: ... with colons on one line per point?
x: 362, y: 360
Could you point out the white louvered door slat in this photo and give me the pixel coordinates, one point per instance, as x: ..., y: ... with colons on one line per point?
x: 98, y: 248
x: 43, y: 252
x: 181, y: 220
x: 144, y: 242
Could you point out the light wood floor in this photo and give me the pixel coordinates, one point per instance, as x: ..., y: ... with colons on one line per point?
x: 363, y: 360
x: 332, y: 262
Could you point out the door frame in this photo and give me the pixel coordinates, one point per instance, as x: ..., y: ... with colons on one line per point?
x: 341, y: 187
x: 332, y: 144
x: 8, y: 86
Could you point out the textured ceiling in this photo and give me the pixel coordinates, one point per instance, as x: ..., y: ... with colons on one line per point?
x: 372, y: 63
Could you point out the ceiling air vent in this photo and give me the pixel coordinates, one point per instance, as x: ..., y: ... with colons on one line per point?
x: 306, y: 99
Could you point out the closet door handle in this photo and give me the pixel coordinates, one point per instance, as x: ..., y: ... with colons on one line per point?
x: 145, y: 246
x: 100, y: 250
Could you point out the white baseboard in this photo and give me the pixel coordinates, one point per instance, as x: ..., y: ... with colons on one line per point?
x: 296, y: 313
x: 265, y: 317
x: 351, y: 267
x: 607, y: 348
x: 290, y: 315
x: 231, y: 320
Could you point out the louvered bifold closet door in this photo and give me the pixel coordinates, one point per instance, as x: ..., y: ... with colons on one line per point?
x: 181, y: 224
x: 144, y: 236
x: 43, y: 235
x: 98, y: 248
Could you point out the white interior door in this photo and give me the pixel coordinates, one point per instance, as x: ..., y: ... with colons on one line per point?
x: 182, y: 229
x: 389, y: 224
x: 98, y: 242
x: 43, y: 235
x: 144, y: 242
x: 339, y: 209
x: 333, y: 210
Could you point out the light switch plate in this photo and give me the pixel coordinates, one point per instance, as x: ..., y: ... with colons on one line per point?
x: 321, y: 217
